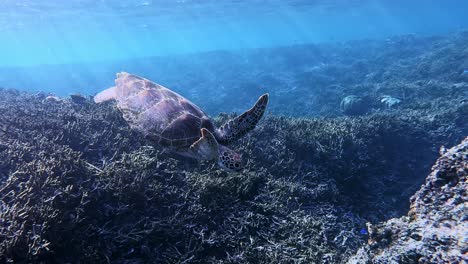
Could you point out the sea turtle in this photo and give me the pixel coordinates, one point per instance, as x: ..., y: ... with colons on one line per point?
x: 170, y: 120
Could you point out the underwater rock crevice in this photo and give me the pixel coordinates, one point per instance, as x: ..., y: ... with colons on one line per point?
x: 435, y: 230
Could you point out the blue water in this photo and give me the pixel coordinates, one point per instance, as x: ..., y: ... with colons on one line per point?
x: 79, y: 34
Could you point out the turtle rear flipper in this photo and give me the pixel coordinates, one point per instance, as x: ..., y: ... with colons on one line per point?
x: 241, y: 125
x: 206, y: 147
x: 105, y: 95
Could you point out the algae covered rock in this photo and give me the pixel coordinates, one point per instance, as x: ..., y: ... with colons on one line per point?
x: 436, y: 228
x: 389, y: 102
x: 354, y: 105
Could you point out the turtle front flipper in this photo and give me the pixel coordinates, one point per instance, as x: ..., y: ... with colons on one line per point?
x: 241, y: 125
x: 206, y: 147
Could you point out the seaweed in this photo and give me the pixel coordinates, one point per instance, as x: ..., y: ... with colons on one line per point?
x: 78, y: 185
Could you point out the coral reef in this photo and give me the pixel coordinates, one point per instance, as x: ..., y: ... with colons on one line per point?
x: 436, y: 228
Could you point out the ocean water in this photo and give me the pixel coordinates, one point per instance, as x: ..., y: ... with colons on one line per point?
x: 364, y: 97
x: 75, y: 46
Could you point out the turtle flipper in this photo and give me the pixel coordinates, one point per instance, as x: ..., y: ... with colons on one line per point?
x: 206, y: 147
x: 241, y: 125
x: 105, y: 95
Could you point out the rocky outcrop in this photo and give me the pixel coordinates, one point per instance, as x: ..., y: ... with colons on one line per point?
x: 436, y: 228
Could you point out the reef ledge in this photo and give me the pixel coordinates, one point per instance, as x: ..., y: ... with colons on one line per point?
x: 436, y: 228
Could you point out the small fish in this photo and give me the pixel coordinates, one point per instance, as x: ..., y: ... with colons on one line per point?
x: 465, y: 72
x: 364, y: 231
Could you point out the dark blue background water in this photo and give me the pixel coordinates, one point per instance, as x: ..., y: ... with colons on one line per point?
x: 78, y: 45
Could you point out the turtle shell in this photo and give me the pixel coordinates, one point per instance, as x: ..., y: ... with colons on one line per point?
x: 160, y: 114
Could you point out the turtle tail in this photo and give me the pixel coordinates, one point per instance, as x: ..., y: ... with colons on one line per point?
x: 241, y: 125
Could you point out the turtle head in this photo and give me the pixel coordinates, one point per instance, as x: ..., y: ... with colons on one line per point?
x: 228, y: 159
